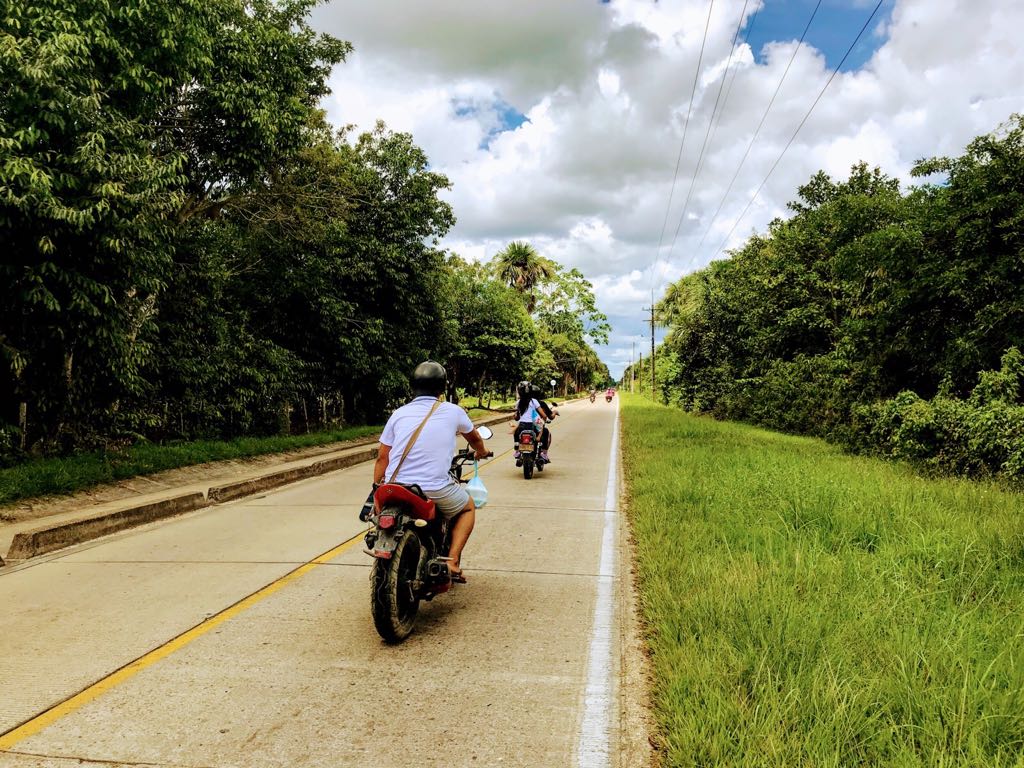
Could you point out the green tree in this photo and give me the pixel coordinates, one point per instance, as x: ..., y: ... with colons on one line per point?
x: 492, y: 336
x: 521, y: 267
x: 116, y: 122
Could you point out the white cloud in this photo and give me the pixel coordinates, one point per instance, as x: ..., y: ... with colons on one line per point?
x: 605, y: 89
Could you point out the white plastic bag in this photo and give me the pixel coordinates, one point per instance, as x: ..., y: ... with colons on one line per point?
x: 476, y: 488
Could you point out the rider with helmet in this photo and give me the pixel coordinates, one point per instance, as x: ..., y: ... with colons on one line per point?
x: 429, y: 459
x: 531, y: 409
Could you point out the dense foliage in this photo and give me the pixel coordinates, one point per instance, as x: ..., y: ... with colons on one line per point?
x: 874, y: 315
x: 191, y: 252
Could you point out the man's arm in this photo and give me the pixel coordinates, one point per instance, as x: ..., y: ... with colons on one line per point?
x: 380, y: 466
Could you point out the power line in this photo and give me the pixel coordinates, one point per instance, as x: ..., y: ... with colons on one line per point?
x: 679, y: 157
x: 760, y: 124
x: 732, y: 78
x: 707, y: 133
x: 801, y: 125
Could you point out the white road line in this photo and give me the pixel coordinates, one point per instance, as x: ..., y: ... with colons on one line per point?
x: 594, y: 750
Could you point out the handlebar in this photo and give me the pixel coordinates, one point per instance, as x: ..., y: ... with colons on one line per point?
x: 467, y: 455
x: 461, y: 459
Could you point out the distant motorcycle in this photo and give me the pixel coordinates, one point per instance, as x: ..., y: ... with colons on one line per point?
x: 530, y: 456
x: 593, y: 396
x: 409, y: 543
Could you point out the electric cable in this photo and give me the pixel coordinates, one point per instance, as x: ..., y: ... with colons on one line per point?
x: 682, y: 144
x: 707, y: 133
x: 801, y: 125
x: 732, y: 78
x: 760, y: 124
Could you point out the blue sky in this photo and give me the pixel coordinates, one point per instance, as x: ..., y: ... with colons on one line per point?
x: 834, y: 27
x: 508, y: 117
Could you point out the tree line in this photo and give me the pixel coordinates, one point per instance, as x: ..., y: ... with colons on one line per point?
x: 890, y: 320
x: 190, y: 250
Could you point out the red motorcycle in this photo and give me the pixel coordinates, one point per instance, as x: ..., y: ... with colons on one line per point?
x: 409, y: 543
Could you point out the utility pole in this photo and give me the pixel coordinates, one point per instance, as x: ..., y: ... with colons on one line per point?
x: 653, y: 381
x: 632, y: 370
x: 640, y: 367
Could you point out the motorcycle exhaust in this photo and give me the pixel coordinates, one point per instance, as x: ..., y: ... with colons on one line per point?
x: 437, y: 569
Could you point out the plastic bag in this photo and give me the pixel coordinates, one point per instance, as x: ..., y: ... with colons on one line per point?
x: 476, y: 488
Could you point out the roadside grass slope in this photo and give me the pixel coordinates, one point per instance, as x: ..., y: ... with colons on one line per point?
x: 38, y: 477
x: 805, y: 607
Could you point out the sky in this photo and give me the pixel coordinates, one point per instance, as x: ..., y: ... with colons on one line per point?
x: 579, y: 125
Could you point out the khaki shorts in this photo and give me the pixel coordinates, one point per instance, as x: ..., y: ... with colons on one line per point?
x: 450, y: 500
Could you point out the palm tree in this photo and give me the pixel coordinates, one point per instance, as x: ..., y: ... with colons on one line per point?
x: 522, y: 268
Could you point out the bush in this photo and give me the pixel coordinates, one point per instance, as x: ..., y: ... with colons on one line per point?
x: 982, y: 436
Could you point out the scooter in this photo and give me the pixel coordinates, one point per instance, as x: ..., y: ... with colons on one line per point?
x: 409, y: 543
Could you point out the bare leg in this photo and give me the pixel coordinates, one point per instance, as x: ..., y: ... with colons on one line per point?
x: 461, y: 528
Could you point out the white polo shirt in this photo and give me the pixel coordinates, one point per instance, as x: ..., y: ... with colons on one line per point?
x: 429, y: 460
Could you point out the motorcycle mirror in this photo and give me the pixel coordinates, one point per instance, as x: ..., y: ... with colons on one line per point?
x: 485, y: 432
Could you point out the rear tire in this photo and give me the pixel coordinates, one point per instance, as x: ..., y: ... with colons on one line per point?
x: 528, y: 468
x: 393, y: 606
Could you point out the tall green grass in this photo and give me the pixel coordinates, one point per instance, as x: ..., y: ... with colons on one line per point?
x: 809, y: 608
x: 66, y: 475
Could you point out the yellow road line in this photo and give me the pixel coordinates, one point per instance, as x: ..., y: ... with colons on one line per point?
x: 97, y: 689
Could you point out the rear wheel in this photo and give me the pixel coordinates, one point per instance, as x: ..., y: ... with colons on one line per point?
x: 528, y: 467
x: 393, y: 603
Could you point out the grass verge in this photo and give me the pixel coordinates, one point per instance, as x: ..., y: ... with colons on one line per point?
x: 810, y: 608
x: 66, y: 475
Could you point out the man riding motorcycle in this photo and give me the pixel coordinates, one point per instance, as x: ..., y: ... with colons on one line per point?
x: 530, y: 410
x: 429, y: 459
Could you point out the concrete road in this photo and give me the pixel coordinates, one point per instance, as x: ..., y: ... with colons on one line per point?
x: 241, y: 635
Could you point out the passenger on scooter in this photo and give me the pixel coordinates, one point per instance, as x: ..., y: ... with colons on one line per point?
x: 429, y: 459
x: 530, y: 411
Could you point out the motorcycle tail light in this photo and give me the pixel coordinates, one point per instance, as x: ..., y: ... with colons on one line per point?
x: 386, y: 521
x: 526, y: 437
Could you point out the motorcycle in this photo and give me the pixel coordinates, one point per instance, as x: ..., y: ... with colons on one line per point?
x: 409, y: 543
x: 593, y: 396
x: 529, y: 451
x: 607, y: 398
x: 530, y: 456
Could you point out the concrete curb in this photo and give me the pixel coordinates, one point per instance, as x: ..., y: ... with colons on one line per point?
x: 46, y: 539
x: 221, y: 493
x: 49, y: 538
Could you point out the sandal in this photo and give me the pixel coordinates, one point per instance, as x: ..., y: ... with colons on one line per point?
x: 457, y: 577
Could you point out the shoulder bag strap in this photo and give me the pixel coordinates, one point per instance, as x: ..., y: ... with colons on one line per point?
x: 408, y: 446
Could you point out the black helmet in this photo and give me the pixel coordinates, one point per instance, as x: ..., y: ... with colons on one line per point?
x: 429, y: 378
x: 524, y: 388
